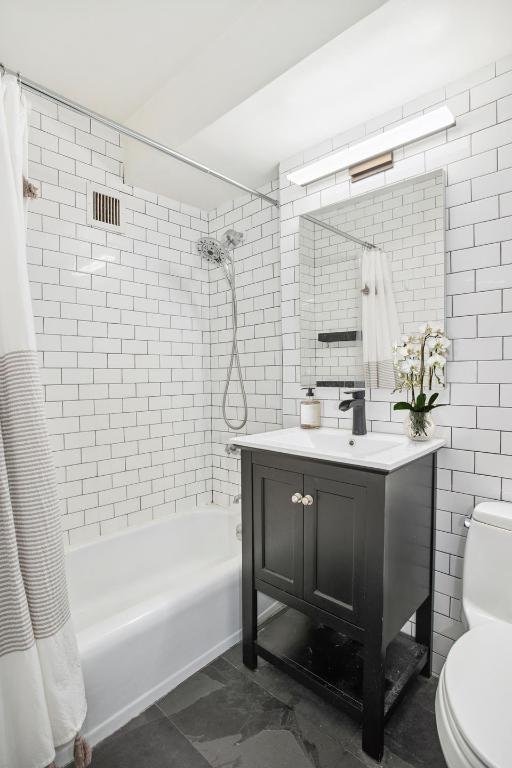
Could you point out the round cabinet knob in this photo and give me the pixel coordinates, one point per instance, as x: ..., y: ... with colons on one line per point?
x: 307, y: 500
x: 296, y: 498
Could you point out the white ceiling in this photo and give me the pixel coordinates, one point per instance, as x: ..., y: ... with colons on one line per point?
x: 252, y: 48
x: 110, y: 55
x: 241, y: 84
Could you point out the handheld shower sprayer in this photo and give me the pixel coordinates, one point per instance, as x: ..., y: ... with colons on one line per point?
x: 220, y: 252
x: 211, y: 250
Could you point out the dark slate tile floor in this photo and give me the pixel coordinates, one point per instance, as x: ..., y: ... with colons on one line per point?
x: 228, y: 717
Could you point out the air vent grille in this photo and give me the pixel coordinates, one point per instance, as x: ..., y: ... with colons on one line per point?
x: 106, y: 209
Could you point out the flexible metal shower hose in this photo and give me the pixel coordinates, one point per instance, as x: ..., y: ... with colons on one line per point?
x: 235, y: 356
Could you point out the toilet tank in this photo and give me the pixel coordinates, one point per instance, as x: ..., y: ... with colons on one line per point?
x: 487, y: 574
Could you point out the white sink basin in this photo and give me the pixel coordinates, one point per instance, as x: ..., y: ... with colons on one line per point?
x: 376, y: 450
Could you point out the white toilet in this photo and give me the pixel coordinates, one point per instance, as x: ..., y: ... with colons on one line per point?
x: 474, y: 695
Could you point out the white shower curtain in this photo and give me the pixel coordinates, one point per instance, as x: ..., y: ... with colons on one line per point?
x: 380, y: 324
x: 42, y: 700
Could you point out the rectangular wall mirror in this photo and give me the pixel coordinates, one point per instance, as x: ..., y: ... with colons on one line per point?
x: 371, y: 269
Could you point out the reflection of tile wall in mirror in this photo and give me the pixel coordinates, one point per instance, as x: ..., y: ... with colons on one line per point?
x: 406, y: 220
x: 307, y: 302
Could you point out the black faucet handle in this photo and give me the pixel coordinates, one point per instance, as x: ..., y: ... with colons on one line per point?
x: 357, y: 394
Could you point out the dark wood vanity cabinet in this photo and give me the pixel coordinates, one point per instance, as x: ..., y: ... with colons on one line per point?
x: 315, y: 552
x: 348, y: 552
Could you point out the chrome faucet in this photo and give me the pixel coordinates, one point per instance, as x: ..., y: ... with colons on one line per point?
x: 357, y: 403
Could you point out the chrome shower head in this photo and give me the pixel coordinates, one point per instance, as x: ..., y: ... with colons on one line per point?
x: 232, y: 239
x: 211, y: 250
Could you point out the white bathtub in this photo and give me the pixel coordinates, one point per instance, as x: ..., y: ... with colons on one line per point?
x: 151, y: 605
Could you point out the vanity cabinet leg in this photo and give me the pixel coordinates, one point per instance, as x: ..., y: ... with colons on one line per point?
x: 249, y: 627
x: 373, y: 702
x: 249, y: 594
x: 424, y: 614
x: 424, y: 629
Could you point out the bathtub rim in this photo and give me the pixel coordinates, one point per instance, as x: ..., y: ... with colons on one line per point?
x: 233, y: 511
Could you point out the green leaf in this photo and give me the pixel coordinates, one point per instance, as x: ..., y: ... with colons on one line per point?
x: 402, y: 406
x: 419, y: 405
x: 432, y: 398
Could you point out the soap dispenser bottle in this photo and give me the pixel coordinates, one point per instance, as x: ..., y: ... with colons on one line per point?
x: 310, y: 410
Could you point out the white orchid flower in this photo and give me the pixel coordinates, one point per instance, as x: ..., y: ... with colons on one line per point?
x: 437, y: 360
x: 420, y: 359
x: 405, y: 366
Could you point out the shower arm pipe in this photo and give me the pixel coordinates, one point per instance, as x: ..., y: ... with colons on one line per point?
x: 40, y: 90
x: 337, y: 231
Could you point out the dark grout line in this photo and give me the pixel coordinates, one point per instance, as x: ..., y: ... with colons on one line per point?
x: 174, y: 725
x: 256, y: 681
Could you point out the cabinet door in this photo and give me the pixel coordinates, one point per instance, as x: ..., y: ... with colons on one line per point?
x: 334, y: 546
x: 278, y: 528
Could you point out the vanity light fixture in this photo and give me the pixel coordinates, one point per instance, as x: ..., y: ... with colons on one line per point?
x: 406, y: 133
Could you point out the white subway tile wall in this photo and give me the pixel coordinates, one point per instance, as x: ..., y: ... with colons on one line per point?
x: 123, y: 334
x: 477, y: 424
x: 308, y: 320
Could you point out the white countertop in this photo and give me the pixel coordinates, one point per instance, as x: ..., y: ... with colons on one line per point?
x: 376, y: 450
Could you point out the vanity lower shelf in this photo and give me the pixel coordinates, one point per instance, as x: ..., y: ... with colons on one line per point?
x: 332, y: 663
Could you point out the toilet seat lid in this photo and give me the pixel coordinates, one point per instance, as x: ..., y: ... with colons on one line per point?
x: 478, y: 686
x: 497, y: 513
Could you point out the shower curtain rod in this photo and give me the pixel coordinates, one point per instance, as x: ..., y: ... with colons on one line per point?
x: 339, y: 232
x: 40, y: 90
